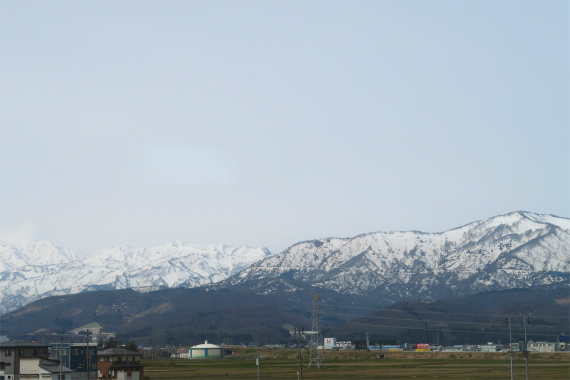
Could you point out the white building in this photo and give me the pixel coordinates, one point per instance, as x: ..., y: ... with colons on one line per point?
x: 489, y: 347
x: 329, y: 343
x: 205, y: 350
x: 542, y: 346
x: 43, y: 369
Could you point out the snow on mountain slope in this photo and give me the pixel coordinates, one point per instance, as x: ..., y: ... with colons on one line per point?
x: 170, y: 265
x: 18, y: 254
x: 517, y: 249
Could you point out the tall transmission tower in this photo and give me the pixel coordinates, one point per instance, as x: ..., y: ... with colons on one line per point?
x: 316, y: 355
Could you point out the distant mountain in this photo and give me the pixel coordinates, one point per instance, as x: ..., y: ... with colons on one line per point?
x: 175, y: 316
x: 473, y: 319
x: 516, y: 250
x: 226, y: 315
x: 17, y: 254
x: 45, y: 269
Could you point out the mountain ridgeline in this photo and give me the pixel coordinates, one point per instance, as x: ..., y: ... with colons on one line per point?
x: 172, y: 265
x: 516, y: 250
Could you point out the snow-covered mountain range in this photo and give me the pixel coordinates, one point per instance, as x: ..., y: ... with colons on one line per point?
x: 519, y: 249
x: 32, y: 271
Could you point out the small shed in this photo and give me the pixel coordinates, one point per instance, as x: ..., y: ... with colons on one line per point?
x: 205, y: 350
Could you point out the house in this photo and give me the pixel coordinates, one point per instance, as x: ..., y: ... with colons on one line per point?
x: 76, y: 357
x: 182, y: 353
x: 12, y: 354
x: 43, y: 369
x: 120, y: 364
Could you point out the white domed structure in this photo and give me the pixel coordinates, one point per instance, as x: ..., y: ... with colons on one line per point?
x: 205, y: 350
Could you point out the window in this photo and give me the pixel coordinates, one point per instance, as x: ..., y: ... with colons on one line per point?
x: 80, y: 366
x: 8, y: 353
x: 20, y: 352
x: 35, y: 352
x: 7, y: 364
x: 75, y: 352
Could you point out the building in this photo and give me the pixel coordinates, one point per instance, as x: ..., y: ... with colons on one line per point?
x: 489, y: 347
x: 43, y: 369
x: 182, y: 353
x: 334, y: 345
x: 542, y: 346
x: 329, y: 343
x: 205, y: 350
x: 75, y: 357
x: 120, y: 364
x: 12, y: 354
x: 452, y: 349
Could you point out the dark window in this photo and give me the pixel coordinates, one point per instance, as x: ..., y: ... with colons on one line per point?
x: 7, y: 364
x: 75, y: 352
x: 35, y: 352
x: 80, y: 366
x: 20, y: 352
x: 8, y: 353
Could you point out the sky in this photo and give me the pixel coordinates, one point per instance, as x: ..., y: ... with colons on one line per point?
x: 266, y: 123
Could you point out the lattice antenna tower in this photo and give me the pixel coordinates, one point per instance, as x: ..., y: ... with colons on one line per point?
x: 316, y: 355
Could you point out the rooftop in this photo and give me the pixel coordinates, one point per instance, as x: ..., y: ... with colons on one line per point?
x: 118, y: 352
x: 22, y: 344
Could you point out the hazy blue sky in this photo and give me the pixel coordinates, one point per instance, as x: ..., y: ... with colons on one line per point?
x: 267, y: 123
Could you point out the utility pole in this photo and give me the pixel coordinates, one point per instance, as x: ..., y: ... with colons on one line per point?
x: 60, y: 358
x: 508, y: 322
x: 526, y: 321
x: 299, y: 331
x: 258, y: 361
x: 425, y: 331
x: 88, y: 366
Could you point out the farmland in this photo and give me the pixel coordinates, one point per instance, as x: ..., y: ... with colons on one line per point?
x: 284, y: 364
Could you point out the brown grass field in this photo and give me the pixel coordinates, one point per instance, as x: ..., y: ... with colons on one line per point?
x: 284, y: 364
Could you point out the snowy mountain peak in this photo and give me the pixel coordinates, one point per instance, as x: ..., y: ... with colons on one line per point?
x: 516, y: 249
x: 18, y: 254
x: 45, y: 269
